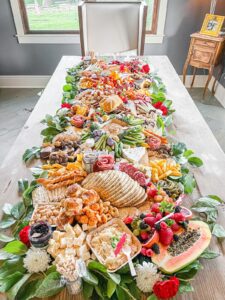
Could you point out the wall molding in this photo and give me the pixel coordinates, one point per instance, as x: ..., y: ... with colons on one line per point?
x: 39, y: 81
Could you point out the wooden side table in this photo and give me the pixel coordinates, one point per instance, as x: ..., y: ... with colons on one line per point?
x: 205, y: 52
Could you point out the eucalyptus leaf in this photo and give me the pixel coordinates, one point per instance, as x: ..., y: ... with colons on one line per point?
x: 209, y: 254
x: 94, y: 265
x: 215, y: 198
x: 189, y: 184
x: 87, y: 290
x: 189, y: 271
x: 7, y: 207
x: 7, y: 221
x: 11, y: 266
x: 28, y: 290
x: 30, y: 154
x: 7, y: 282
x: 218, y: 231
x: 178, y: 149
x: 5, y: 239
x: 50, y: 286
x: 188, y: 153
x: 15, y: 247
x: 14, y: 290
x: 23, y: 184
x: 90, y: 278
x: 111, y: 287
x: 18, y: 210
x: 115, y: 277
x: 195, y: 161
x: 5, y: 255
x: 185, y: 287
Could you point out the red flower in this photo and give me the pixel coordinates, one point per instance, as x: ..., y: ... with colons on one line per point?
x: 24, y: 235
x: 157, y: 105
x: 66, y: 105
x: 164, y: 110
x: 145, y: 68
x: 166, y: 289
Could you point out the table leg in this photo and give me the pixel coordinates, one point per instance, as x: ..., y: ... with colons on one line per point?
x: 219, y: 73
x: 185, y: 70
x: 193, y: 79
x: 208, y: 80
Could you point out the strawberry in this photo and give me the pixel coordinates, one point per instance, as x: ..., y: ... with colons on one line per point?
x: 148, y: 215
x: 175, y: 227
x: 149, y: 252
x: 155, y: 208
x: 128, y: 220
x: 166, y: 236
x: 144, y: 235
x: 150, y: 221
x: 163, y: 226
x: 179, y: 217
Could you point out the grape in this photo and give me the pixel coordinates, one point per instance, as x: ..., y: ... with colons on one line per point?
x: 110, y: 141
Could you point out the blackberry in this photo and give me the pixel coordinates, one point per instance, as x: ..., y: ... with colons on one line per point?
x: 143, y: 225
x: 155, y: 248
x: 184, y: 224
x: 142, y: 216
x: 178, y: 209
x: 157, y: 226
x: 176, y: 237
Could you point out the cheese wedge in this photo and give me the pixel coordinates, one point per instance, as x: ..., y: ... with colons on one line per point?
x: 136, y: 155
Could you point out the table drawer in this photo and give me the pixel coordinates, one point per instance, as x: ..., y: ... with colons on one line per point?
x: 205, y: 43
x: 205, y: 57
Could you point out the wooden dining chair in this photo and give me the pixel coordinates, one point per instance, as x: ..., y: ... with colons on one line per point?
x: 115, y: 27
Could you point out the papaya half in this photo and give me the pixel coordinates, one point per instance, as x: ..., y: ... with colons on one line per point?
x: 188, y: 248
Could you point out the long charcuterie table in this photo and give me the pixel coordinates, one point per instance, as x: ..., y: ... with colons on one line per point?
x: 122, y: 168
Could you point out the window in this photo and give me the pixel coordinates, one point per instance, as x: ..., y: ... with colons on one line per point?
x: 152, y: 16
x: 56, y: 21
x: 49, y: 16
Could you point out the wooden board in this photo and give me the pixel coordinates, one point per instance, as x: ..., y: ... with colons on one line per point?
x: 191, y: 129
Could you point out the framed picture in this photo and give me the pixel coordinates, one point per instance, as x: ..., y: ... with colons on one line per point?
x: 212, y: 25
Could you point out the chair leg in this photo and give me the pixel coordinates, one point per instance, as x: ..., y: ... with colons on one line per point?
x: 208, y: 80
x: 193, y: 79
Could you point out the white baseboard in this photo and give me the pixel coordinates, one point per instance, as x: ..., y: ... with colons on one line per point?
x: 39, y: 81
x: 24, y: 81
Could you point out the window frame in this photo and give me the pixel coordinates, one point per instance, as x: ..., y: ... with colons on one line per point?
x: 27, y: 36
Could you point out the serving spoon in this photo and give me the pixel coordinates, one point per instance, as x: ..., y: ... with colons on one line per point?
x: 127, y: 251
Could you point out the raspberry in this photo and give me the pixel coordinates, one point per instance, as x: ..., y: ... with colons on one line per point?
x: 143, y: 251
x: 155, y: 208
x: 149, y: 252
x: 144, y: 236
x: 163, y: 226
x: 150, y: 221
x: 158, y: 217
x: 175, y: 227
x: 166, y: 236
x: 179, y: 217
x: 128, y: 220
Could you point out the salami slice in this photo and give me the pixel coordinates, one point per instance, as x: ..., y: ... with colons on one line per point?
x: 140, y: 178
x: 153, y: 142
x: 104, y: 163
